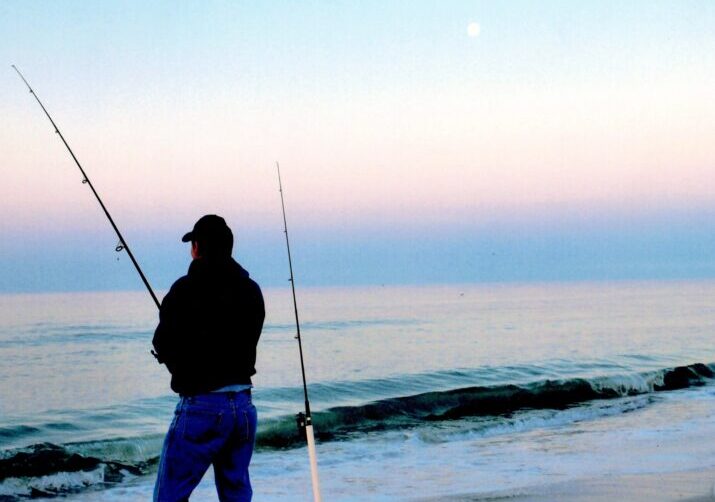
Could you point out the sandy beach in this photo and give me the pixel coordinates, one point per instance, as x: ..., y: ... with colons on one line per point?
x: 687, y: 486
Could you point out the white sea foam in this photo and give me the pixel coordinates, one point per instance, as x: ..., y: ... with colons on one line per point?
x: 629, y: 384
x: 59, y: 482
x: 136, y: 449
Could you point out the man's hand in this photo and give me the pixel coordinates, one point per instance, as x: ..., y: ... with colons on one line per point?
x: 156, y: 355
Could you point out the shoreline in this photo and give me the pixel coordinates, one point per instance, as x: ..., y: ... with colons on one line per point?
x: 677, y: 486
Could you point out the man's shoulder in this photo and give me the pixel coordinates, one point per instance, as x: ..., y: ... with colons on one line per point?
x: 180, y: 283
x: 254, y: 287
x: 253, y: 283
x: 243, y: 277
x: 180, y: 287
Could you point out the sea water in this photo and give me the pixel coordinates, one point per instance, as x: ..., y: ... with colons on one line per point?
x: 417, y: 392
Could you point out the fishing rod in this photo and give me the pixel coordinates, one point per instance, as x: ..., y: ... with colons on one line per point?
x: 305, y: 421
x: 122, y: 245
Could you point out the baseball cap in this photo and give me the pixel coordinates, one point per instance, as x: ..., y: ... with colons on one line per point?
x: 209, y: 228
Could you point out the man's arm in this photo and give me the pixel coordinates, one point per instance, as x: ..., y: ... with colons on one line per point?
x: 260, y: 312
x: 164, y: 336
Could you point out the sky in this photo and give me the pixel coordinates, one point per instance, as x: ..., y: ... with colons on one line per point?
x: 419, y: 142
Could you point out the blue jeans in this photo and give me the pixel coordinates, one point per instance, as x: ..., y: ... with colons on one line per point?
x: 218, y: 429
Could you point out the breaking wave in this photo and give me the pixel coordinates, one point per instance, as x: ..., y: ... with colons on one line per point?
x: 498, y: 400
x: 46, y: 470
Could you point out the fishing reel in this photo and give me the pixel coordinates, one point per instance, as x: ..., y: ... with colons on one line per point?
x: 301, y: 421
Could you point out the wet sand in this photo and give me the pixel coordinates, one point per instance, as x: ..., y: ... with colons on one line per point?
x: 689, y: 486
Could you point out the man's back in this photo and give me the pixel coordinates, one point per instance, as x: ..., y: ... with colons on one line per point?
x: 209, y: 326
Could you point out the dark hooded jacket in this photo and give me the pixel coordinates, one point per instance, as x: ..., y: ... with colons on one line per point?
x: 209, y: 325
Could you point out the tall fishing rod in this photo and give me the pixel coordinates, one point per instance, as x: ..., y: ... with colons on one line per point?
x: 304, y: 420
x: 122, y: 245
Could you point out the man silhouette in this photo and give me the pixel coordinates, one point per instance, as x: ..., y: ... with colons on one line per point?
x: 209, y: 325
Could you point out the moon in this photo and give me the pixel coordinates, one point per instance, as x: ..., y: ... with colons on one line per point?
x: 473, y: 29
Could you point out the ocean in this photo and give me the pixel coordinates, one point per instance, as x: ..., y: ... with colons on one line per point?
x: 418, y: 392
